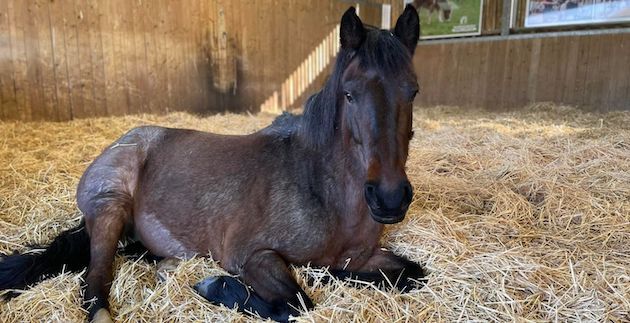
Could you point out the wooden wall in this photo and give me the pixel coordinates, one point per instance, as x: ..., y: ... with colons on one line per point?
x: 586, y: 69
x: 66, y: 59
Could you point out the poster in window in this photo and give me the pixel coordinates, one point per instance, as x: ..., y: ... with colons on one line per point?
x: 448, y: 18
x: 546, y: 13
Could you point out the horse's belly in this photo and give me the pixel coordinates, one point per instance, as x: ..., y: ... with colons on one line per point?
x: 158, y: 239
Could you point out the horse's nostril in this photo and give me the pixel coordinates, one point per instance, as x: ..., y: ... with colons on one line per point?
x: 370, y: 189
x: 370, y: 194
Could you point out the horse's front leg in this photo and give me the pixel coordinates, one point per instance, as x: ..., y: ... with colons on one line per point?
x: 274, y: 292
x: 384, y: 268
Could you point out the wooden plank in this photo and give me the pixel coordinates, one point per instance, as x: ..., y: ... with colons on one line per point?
x: 97, y: 57
x: 259, y: 58
x: 619, y: 55
x: 17, y: 13
x: 84, y: 80
x: 8, y: 101
x: 562, y: 52
x: 177, y: 64
x: 266, y: 52
x: 107, y: 22
x: 191, y: 54
x: 194, y: 54
x: 545, y: 86
x: 251, y: 60
x: 598, y: 85
x: 205, y: 69
x: 625, y: 49
x: 456, y: 96
x: 494, y: 92
x: 582, y: 66
x: 167, y: 47
x: 120, y: 97
x: 570, y: 88
x: 451, y: 90
x: 484, y: 67
x: 34, y: 60
x: 60, y: 69
x: 510, y: 72
x: 128, y: 59
x: 45, y: 61
x: 157, y: 58
x: 534, y: 70
x: 71, y: 16
x: 478, y: 64
x: 121, y: 50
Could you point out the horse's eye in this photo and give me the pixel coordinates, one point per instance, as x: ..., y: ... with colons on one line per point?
x: 349, y: 97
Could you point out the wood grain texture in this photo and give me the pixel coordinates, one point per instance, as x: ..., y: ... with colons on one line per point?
x: 61, y: 60
x: 584, y: 70
x: 85, y: 58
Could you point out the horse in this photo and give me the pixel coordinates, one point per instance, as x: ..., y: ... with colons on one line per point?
x: 442, y: 7
x: 311, y: 189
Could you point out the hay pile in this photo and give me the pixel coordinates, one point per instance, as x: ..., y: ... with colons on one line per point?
x: 518, y: 216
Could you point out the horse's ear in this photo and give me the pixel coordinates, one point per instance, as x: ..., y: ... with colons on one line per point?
x: 407, y: 28
x: 352, y: 33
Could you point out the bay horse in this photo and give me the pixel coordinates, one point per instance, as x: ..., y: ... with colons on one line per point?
x: 311, y: 189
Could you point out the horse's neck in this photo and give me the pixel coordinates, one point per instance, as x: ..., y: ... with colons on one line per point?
x: 345, y: 196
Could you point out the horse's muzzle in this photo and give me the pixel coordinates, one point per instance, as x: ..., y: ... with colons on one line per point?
x: 388, y: 207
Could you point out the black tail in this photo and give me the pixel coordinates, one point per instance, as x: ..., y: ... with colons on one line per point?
x: 69, y: 251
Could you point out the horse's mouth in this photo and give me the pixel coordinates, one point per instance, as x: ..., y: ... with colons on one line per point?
x: 388, y: 216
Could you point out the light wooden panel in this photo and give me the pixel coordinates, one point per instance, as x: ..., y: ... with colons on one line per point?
x: 585, y: 69
x: 61, y: 60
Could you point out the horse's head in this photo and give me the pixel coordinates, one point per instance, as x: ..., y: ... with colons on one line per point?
x: 375, y: 92
x: 446, y: 13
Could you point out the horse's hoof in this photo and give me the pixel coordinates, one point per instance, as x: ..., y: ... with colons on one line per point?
x: 206, y: 285
x: 102, y: 316
x: 164, y: 267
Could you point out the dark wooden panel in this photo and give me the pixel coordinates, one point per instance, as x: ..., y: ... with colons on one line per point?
x: 491, y: 21
x: 20, y: 38
x: 8, y: 103
x: 620, y: 70
x: 60, y: 70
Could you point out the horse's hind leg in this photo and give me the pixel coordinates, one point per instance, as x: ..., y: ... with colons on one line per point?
x: 105, y: 228
x: 275, y: 293
x: 105, y: 197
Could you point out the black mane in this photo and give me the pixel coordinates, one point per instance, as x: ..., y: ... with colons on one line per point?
x: 382, y: 51
x: 284, y: 126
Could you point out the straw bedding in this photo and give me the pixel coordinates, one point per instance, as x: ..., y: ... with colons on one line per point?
x: 520, y: 216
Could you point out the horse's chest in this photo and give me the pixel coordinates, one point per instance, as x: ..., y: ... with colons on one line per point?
x: 340, y: 245
x: 360, y: 242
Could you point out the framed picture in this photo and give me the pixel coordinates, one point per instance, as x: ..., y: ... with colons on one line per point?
x: 546, y: 13
x: 448, y: 18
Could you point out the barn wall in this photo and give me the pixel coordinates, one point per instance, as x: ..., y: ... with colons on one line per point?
x: 589, y: 69
x: 61, y: 60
